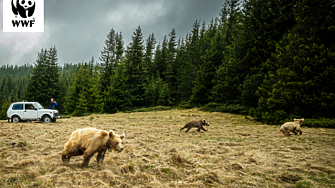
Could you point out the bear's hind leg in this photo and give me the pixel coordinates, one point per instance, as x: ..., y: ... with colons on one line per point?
x: 188, y: 129
x: 73, y: 154
x: 183, y: 128
x: 287, y: 134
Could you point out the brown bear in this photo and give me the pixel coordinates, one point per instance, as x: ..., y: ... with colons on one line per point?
x: 198, y: 124
x: 293, y: 127
x: 89, y: 141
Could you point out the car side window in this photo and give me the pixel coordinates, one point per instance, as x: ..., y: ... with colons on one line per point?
x: 17, y: 107
x: 29, y: 107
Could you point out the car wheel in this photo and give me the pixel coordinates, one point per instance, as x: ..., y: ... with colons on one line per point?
x: 47, y: 119
x: 16, y: 119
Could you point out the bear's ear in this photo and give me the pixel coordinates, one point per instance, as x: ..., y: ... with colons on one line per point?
x: 294, y: 119
x: 111, y: 134
x: 122, y: 136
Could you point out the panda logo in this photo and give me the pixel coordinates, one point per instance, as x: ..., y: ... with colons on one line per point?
x: 25, y: 8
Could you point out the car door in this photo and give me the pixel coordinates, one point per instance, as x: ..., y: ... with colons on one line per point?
x: 18, y: 109
x: 30, y: 112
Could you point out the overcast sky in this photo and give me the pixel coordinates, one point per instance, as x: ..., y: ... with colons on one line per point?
x: 78, y: 28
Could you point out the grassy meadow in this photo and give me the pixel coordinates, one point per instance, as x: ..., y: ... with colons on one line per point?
x: 234, y: 152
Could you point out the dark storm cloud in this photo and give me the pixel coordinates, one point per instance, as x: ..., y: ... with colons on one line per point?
x: 78, y: 29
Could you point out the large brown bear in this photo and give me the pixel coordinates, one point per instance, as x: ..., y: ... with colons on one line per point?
x: 88, y: 141
x: 293, y: 127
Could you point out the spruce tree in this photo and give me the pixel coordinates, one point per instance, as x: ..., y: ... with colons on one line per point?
x: 118, y: 95
x: 53, y: 77
x: 205, y: 80
x: 301, y: 78
x: 135, y: 69
x: 172, y: 66
x: 108, y: 58
x: 44, y: 81
x: 148, y: 57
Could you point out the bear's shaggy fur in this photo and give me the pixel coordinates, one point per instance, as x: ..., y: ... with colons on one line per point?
x: 198, y: 124
x: 293, y: 127
x: 89, y: 141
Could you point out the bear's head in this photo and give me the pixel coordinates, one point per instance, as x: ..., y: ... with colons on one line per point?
x: 299, y: 121
x: 205, y: 123
x: 115, y: 141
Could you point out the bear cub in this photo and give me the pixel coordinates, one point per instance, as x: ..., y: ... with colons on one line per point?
x: 293, y: 127
x: 196, y: 124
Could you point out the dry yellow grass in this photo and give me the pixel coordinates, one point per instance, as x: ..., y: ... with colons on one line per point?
x: 235, y: 152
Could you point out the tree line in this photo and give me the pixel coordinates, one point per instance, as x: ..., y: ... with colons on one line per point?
x: 273, y: 60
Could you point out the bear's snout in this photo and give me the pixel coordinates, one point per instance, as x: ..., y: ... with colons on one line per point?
x: 121, y: 150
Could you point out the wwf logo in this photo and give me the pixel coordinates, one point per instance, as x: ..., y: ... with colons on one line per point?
x: 25, y: 8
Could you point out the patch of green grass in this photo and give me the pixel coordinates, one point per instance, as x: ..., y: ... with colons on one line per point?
x: 149, y: 109
x: 308, y: 148
x: 229, y: 139
x: 22, y: 144
x: 302, y: 184
x: 235, y: 139
x: 91, y: 118
x: 301, y: 139
x: 3, y: 155
x: 327, y: 179
x: 166, y: 170
x: 65, y: 116
x: 42, y: 171
x: 137, y: 125
x: 296, y: 148
x: 150, y: 166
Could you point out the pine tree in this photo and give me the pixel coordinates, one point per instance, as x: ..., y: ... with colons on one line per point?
x: 96, y: 97
x: 81, y: 106
x: 44, y: 81
x: 118, y: 97
x: 186, y: 72
x: 204, y: 82
x: 157, y: 62
x: 254, y: 34
x: 108, y: 58
x: 172, y: 66
x: 119, y: 48
x: 53, y: 76
x: 135, y: 69
x: 148, y: 57
x: 301, y: 79
x: 162, y: 64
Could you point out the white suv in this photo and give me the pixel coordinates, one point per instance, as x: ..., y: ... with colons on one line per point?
x: 31, y: 111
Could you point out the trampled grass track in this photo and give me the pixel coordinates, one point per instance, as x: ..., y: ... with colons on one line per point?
x: 235, y: 152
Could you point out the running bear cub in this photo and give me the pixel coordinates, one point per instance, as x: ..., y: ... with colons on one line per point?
x: 89, y: 141
x: 293, y: 127
x: 198, y: 124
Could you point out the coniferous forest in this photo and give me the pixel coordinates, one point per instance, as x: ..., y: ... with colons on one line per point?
x: 272, y: 60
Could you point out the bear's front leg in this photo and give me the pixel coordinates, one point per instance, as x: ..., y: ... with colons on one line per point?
x: 101, y: 157
x: 87, y: 157
x: 203, y: 128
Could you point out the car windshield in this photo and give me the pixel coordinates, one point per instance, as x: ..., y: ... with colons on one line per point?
x: 38, y: 106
